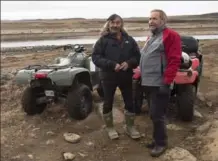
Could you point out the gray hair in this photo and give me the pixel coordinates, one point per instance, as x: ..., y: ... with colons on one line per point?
x: 163, y: 15
x: 105, y: 29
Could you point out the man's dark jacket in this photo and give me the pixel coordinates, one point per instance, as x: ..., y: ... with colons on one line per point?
x: 109, y: 51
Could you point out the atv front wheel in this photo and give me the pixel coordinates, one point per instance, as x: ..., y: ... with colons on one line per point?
x: 185, y: 101
x: 29, y: 104
x: 79, y: 102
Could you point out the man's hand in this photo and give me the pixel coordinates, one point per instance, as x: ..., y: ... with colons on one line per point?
x: 117, y: 68
x: 124, y: 66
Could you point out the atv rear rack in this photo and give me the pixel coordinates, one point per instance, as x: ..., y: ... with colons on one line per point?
x: 37, y: 67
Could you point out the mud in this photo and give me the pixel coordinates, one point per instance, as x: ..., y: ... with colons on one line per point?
x: 40, y: 137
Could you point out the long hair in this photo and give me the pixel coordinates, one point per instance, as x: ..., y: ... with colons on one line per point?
x: 106, y: 30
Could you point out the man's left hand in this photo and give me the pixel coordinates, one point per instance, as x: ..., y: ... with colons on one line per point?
x: 124, y: 66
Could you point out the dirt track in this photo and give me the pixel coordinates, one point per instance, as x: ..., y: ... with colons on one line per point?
x: 41, y: 137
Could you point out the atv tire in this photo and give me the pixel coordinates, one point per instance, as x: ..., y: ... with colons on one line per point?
x: 29, y: 104
x: 185, y: 101
x: 79, y: 102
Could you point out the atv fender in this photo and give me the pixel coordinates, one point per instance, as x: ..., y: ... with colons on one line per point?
x: 65, y: 77
x: 186, y: 77
x: 23, y: 77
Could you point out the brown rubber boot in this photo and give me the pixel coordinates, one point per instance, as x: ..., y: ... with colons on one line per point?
x: 108, y: 119
x: 129, y: 126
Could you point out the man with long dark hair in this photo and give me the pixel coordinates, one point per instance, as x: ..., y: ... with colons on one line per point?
x: 117, y: 54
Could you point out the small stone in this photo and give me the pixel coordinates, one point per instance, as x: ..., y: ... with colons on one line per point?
x: 173, y: 127
x: 178, y: 154
x: 49, y: 142
x: 82, y: 155
x: 143, y: 135
x: 33, y: 135
x: 50, y: 133
x: 209, y: 104
x: 71, y: 137
x: 68, y: 121
x: 201, y: 97
x: 15, y: 157
x: 69, y: 156
x: 30, y: 156
x: 89, y: 143
x: 206, y: 126
x: 197, y: 114
x: 35, y: 129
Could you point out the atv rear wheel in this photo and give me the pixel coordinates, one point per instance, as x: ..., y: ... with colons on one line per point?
x: 29, y: 104
x: 185, y: 101
x: 79, y: 102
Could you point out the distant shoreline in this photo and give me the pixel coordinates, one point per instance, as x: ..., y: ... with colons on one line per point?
x: 171, y: 18
x: 27, y: 30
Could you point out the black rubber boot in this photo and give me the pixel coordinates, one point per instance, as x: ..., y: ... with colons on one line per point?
x: 158, y: 151
x: 150, y: 145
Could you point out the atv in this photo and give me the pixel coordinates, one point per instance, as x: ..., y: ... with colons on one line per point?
x: 186, y: 82
x: 72, y: 78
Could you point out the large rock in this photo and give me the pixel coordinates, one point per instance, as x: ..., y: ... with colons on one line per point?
x: 69, y: 156
x: 178, y: 154
x: 72, y: 138
x: 210, y: 150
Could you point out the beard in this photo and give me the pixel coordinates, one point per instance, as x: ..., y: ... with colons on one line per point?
x: 114, y: 29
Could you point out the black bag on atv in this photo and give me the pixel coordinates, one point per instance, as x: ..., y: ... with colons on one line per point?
x: 189, y: 44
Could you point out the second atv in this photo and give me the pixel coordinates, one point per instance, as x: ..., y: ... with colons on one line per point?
x: 186, y: 82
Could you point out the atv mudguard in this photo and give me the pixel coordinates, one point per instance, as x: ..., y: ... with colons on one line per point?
x: 189, y: 76
x: 61, y: 77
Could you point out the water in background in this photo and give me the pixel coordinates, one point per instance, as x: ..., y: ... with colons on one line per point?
x: 77, y: 41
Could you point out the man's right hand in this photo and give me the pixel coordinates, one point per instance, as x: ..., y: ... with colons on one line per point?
x: 117, y: 68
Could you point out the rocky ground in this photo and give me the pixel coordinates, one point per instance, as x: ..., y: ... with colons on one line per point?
x: 47, y: 137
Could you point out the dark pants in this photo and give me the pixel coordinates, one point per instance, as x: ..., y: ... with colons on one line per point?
x: 158, y: 102
x: 109, y: 88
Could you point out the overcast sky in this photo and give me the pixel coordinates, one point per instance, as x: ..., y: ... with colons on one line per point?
x: 13, y: 10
